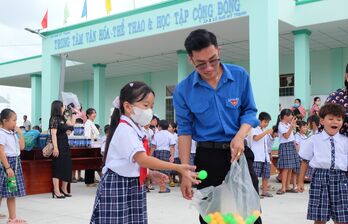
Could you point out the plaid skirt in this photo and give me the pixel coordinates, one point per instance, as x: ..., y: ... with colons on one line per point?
x: 176, y: 161
x: 162, y: 155
x: 119, y: 200
x: 4, y: 193
x: 288, y: 157
x: 262, y: 169
x: 328, y: 196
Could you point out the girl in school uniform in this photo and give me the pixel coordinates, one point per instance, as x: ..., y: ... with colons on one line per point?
x: 10, y: 147
x: 288, y: 157
x: 121, y: 196
x: 300, y: 137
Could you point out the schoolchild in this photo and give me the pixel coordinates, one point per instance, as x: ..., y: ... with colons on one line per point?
x: 262, y: 165
x: 172, y: 128
x: 327, y: 153
x: 288, y: 157
x: 11, y: 143
x: 121, y: 196
x: 162, y: 147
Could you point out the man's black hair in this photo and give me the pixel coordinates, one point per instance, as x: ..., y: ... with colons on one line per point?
x: 199, y: 39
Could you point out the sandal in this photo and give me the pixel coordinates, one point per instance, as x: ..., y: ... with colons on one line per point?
x: 167, y: 190
x: 280, y: 192
x: 16, y: 221
x: 292, y: 190
x: 267, y: 194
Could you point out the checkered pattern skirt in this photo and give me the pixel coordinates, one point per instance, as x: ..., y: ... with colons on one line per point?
x: 288, y: 157
x: 328, y: 196
x: 4, y: 193
x: 176, y: 161
x: 119, y: 200
x: 262, y: 169
x: 162, y: 155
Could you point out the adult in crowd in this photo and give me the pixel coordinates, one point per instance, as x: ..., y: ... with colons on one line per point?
x: 220, y: 120
x: 91, y: 131
x: 340, y: 96
x: 298, y: 110
x: 26, y: 123
x: 61, y: 162
x: 315, y: 107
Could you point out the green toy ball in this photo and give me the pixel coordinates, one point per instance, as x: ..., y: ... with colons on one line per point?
x: 207, y: 218
x: 202, y: 174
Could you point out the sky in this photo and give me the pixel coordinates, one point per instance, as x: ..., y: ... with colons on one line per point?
x: 16, y: 43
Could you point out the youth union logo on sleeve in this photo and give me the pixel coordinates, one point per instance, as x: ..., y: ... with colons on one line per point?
x: 234, y: 101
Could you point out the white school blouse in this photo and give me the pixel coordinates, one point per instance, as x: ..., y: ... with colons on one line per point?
x: 91, y: 130
x: 282, y: 129
x: 317, y: 150
x: 176, y: 147
x: 124, y: 144
x: 259, y: 147
x: 299, y: 138
x: 10, y: 141
x: 163, y: 140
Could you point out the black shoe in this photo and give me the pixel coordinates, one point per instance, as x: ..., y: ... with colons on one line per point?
x: 56, y: 196
x: 65, y: 194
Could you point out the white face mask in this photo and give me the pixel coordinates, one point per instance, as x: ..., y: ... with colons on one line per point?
x: 142, y: 116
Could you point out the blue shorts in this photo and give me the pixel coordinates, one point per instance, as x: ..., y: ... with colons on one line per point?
x: 262, y: 169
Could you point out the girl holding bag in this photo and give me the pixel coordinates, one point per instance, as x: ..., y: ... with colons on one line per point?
x: 11, y: 175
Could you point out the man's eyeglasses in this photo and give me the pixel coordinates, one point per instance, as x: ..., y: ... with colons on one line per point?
x: 204, y: 65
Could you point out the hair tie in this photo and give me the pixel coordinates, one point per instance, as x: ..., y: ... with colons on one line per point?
x: 116, y: 102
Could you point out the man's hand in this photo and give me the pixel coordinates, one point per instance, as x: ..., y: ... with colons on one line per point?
x: 186, y: 188
x: 237, y: 147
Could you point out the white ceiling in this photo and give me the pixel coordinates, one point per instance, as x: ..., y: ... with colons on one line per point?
x: 158, y: 53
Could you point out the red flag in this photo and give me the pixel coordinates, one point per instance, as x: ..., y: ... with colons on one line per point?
x: 44, y: 20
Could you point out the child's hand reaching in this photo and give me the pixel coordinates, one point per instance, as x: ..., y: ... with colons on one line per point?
x: 187, y: 172
x: 158, y: 178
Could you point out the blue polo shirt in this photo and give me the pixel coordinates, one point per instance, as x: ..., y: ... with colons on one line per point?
x: 215, y: 115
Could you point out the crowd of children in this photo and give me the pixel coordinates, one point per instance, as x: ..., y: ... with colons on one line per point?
x: 311, y: 150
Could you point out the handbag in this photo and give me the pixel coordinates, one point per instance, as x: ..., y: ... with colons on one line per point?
x: 48, y: 149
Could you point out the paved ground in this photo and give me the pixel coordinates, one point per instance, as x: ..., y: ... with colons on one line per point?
x: 163, y: 208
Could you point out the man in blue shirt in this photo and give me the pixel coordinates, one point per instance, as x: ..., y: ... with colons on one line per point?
x: 215, y: 107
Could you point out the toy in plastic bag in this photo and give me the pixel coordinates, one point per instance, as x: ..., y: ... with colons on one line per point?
x: 236, y: 197
x: 70, y: 99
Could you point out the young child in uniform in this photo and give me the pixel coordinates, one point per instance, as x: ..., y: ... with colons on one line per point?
x: 162, y: 147
x: 121, y: 196
x: 288, y: 157
x: 313, y: 123
x: 172, y: 129
x: 262, y: 165
x: 300, y: 137
x: 10, y: 147
x: 327, y: 154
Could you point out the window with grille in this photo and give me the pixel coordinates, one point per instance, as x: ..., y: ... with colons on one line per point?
x: 169, y: 103
x: 286, y: 84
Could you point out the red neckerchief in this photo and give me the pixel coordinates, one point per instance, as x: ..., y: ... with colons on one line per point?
x: 143, y: 171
